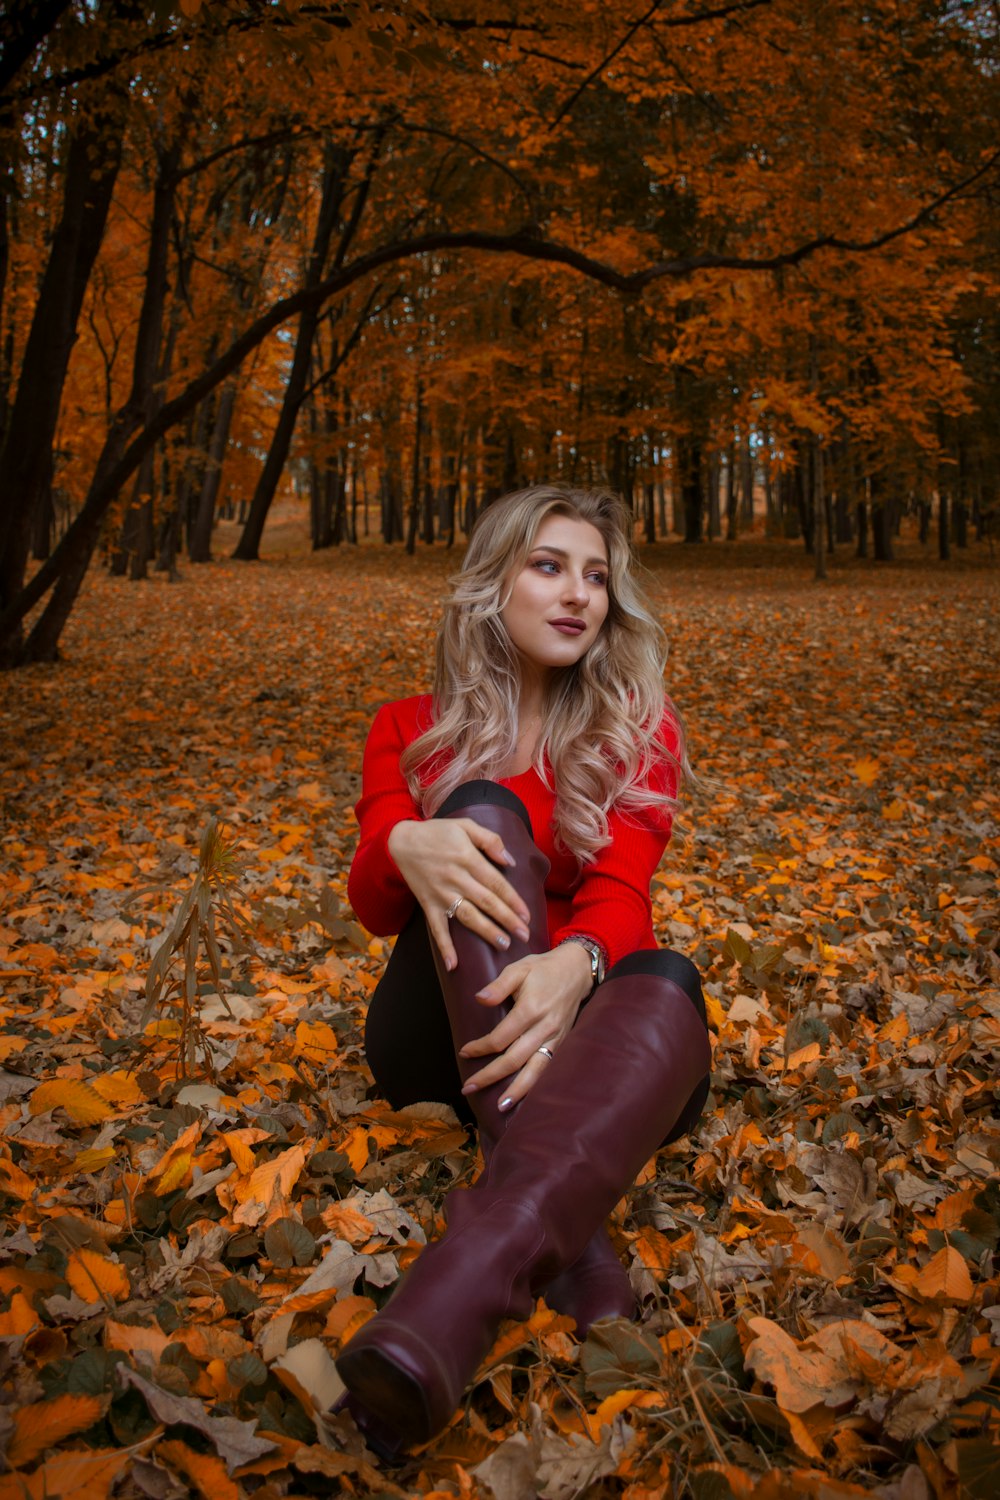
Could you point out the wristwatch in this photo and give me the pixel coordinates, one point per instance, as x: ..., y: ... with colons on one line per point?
x: 595, y: 953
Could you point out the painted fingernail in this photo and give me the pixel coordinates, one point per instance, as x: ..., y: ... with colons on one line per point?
x: 509, y: 860
x: 505, y: 1104
x: 503, y: 941
x: 450, y: 963
x: 473, y: 1088
x: 523, y: 933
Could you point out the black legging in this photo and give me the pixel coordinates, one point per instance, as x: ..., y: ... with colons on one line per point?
x: 408, y: 1039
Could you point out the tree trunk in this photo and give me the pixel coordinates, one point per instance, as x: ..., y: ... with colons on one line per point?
x: 332, y: 197
x: 690, y: 460
x: 130, y: 534
x: 200, y: 538
x: 413, y: 508
x: 819, y: 507
x: 881, y: 521
x: 732, y: 520
x: 92, y: 164
x: 944, y: 530
x: 714, y: 476
x: 42, y: 643
x: 43, y: 522
x: 925, y: 521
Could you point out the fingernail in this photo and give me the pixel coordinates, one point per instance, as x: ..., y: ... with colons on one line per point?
x: 523, y: 933
x: 472, y: 1088
x: 505, y: 1104
x: 509, y: 860
x: 450, y: 963
x: 503, y: 941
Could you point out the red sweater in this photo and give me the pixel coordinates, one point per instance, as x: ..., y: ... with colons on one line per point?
x: 607, y: 900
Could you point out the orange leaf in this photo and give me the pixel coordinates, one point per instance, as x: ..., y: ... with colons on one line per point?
x: 204, y: 1342
x: 46, y: 1423
x: 19, y: 1318
x: 620, y: 1401
x: 348, y: 1224
x: 347, y: 1316
x: 82, y: 1103
x: 316, y: 1041
x: 174, y: 1165
x: 945, y: 1278
x: 240, y: 1152
x: 269, y: 1185
x: 867, y: 771
x: 206, y: 1471
x: 653, y: 1248
x: 86, y: 1475
x: 95, y: 1278
x: 15, y: 1182
x: 136, y: 1338
x: 119, y: 1088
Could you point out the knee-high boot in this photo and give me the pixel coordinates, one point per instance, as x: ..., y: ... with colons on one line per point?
x: 617, y: 1086
x: 597, y: 1285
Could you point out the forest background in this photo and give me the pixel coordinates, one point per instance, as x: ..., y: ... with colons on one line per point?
x: 355, y: 270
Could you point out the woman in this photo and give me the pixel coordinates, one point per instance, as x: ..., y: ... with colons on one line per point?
x: 509, y: 830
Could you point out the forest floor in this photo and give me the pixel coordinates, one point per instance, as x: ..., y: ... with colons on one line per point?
x: 817, y: 1262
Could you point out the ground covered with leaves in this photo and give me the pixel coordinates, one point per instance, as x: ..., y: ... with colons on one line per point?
x: 182, y: 1256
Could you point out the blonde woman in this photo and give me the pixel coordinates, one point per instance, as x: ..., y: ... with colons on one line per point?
x: 510, y: 825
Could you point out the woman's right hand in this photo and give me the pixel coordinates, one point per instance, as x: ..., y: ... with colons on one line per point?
x: 444, y: 858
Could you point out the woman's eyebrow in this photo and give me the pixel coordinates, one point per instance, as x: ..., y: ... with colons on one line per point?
x: 600, y: 562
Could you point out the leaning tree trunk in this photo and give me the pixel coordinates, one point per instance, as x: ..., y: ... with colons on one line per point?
x: 42, y: 643
x: 92, y: 165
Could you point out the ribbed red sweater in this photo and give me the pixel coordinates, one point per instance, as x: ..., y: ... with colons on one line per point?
x: 607, y: 900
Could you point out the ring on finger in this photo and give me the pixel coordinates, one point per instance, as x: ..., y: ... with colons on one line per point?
x: 453, y: 908
x: 547, y: 1052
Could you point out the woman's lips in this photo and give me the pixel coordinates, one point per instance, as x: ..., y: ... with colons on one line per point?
x: 569, y: 627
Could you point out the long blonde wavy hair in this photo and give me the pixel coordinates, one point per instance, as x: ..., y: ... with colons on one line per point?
x: 600, y: 735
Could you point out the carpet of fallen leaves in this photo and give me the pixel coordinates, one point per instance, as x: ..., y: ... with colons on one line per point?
x: 181, y: 1258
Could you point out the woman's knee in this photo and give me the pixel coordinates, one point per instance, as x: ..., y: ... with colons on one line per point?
x: 483, y: 794
x: 664, y: 963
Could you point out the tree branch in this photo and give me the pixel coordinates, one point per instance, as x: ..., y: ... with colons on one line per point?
x: 718, y: 14
x: 120, y: 466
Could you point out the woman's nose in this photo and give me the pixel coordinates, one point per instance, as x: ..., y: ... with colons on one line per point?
x: 576, y: 588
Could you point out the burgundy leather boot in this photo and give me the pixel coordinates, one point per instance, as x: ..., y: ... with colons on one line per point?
x: 597, y: 1286
x: 617, y: 1086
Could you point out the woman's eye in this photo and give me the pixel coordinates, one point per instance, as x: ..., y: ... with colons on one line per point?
x: 601, y: 579
x: 545, y: 564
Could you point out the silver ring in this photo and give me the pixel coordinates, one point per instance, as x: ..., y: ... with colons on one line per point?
x: 453, y: 908
x: 547, y: 1052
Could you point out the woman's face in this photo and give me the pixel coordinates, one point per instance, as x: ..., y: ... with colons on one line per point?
x: 559, y: 599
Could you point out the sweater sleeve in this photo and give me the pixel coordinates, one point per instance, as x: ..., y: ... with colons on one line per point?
x: 376, y: 889
x: 612, y: 902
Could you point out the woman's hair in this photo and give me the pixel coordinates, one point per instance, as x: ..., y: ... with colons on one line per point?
x: 601, y: 735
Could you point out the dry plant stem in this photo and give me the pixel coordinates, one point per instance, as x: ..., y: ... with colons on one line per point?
x: 172, y: 984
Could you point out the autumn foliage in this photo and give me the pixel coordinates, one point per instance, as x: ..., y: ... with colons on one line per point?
x: 404, y: 259
x: 186, y: 1244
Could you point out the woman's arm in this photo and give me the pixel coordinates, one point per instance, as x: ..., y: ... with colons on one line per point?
x: 375, y: 886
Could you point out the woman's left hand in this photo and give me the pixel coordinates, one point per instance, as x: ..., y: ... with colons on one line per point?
x: 549, y: 989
